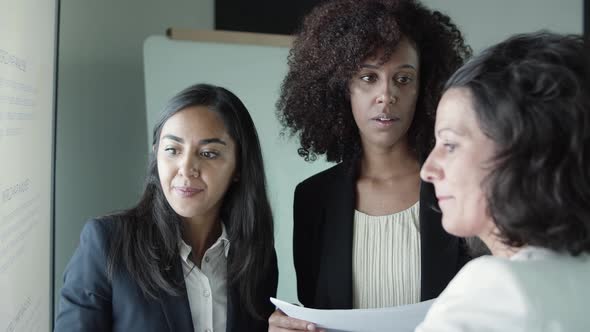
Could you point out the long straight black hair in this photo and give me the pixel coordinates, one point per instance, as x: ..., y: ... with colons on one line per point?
x: 145, y: 239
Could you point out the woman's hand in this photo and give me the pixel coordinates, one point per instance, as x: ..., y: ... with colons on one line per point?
x: 279, y: 322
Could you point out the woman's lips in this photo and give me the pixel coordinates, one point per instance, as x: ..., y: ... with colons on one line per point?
x: 385, y: 120
x: 187, y: 191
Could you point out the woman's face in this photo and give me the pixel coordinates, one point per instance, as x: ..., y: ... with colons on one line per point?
x: 196, y: 162
x: 383, y: 96
x: 458, y: 165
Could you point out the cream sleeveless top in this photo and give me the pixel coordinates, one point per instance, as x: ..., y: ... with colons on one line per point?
x: 386, y: 259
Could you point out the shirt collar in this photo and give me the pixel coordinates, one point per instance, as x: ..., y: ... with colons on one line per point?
x: 223, y: 240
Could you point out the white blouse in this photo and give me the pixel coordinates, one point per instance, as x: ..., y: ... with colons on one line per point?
x: 386, y: 259
x: 535, y: 290
x: 207, y: 287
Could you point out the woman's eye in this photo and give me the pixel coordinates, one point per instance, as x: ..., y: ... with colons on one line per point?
x: 370, y: 78
x: 403, y: 79
x: 170, y: 151
x: 209, y: 154
x: 450, y: 147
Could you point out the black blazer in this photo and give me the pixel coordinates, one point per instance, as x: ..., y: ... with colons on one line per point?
x: 91, y: 302
x: 323, y: 214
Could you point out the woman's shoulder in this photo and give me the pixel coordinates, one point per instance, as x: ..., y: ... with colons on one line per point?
x: 100, y: 230
x: 484, y: 293
x: 517, y: 293
x: 103, y: 225
x: 494, y: 269
x: 100, y: 224
x: 334, y: 174
x: 97, y: 232
x: 527, y: 279
x: 487, y: 278
x: 483, y: 265
x: 549, y: 273
x: 530, y: 263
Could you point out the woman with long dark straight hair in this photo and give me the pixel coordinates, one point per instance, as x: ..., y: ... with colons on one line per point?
x: 197, y: 251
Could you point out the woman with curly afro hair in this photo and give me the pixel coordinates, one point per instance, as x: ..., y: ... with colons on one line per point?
x: 363, y: 83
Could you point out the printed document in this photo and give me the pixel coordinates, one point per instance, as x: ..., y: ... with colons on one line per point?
x: 396, y: 319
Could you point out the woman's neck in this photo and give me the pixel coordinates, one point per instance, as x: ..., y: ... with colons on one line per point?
x: 201, y: 234
x: 497, y: 247
x: 386, y: 163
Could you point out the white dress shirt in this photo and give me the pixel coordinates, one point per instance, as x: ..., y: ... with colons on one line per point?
x: 207, y: 287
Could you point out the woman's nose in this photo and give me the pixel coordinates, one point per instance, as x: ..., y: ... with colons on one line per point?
x: 190, y: 167
x: 388, y: 94
x: 430, y: 171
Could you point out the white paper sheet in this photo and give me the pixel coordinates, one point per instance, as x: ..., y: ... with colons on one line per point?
x: 396, y: 319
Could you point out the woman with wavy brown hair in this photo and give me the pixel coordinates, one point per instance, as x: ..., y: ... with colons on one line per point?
x: 510, y: 166
x: 362, y: 88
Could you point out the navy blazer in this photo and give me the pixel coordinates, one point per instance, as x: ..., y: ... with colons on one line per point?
x: 91, y: 302
x: 323, y: 213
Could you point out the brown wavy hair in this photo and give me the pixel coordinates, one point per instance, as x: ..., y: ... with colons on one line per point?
x: 531, y: 96
x: 334, y: 39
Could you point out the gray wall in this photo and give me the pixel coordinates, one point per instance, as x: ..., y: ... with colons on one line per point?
x: 485, y: 22
x: 101, y: 121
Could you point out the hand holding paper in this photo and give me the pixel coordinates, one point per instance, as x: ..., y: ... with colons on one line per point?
x: 280, y: 322
x: 398, y: 319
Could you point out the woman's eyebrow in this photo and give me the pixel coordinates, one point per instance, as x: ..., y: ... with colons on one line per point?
x: 404, y: 66
x: 204, y: 141
x: 173, y: 137
x: 457, y: 132
x: 212, y: 140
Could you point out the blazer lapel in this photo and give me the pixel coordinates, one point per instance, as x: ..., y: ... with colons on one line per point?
x: 440, y: 250
x: 335, y: 275
x: 176, y: 308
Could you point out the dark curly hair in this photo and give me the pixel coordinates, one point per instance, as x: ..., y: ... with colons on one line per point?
x: 335, y: 38
x: 531, y: 96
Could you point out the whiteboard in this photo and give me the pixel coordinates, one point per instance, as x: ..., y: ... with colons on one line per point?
x: 254, y: 73
x: 27, y: 81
